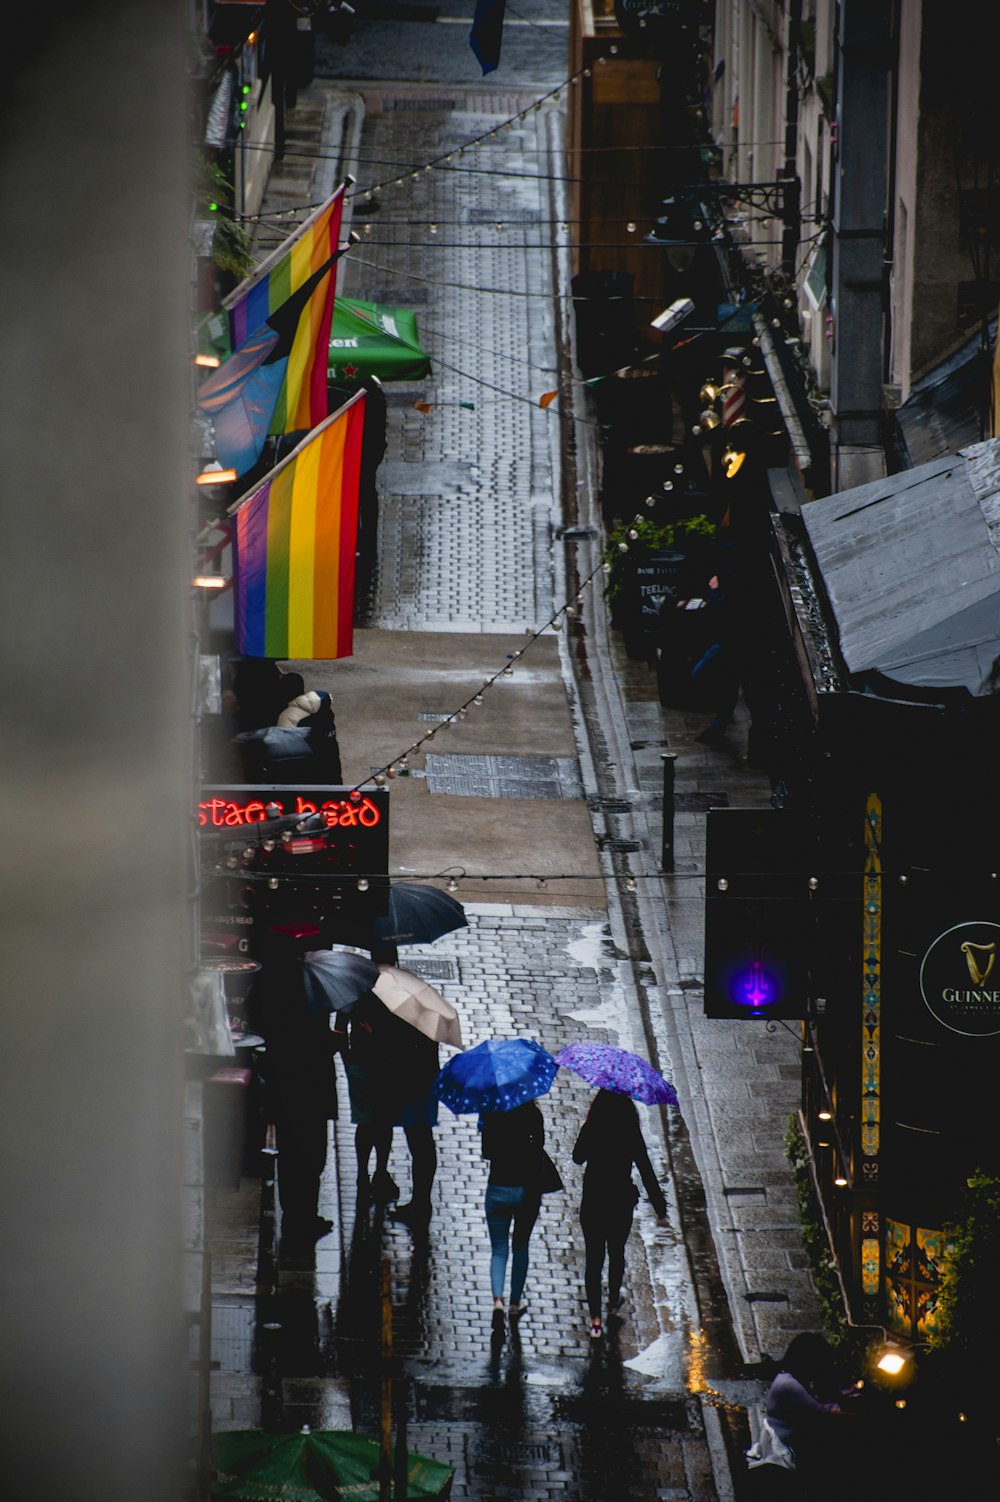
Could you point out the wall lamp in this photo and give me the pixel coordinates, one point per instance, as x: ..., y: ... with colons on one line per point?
x: 892, y: 1361
x: 216, y: 475
x: 781, y: 199
x: 732, y: 462
x: 681, y: 226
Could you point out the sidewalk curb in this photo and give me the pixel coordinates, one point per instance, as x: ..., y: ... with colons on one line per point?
x: 613, y: 720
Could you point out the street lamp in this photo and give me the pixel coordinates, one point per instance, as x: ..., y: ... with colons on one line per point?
x: 685, y: 223
x: 680, y: 232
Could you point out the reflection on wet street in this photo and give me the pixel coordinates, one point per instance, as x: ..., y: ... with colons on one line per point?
x: 382, y: 1320
x: 545, y: 1410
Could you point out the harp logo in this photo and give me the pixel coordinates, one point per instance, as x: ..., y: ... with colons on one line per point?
x: 959, y: 981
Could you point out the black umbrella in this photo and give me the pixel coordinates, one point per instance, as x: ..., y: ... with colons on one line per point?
x: 279, y: 742
x: 335, y: 979
x: 418, y: 915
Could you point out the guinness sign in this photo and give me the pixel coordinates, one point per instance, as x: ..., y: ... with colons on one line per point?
x: 960, y: 979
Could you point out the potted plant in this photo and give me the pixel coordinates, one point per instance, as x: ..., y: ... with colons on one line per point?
x: 649, y: 563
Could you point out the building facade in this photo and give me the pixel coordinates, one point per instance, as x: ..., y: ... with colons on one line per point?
x: 824, y: 187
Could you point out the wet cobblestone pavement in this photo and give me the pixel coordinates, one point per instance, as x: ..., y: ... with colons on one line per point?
x: 469, y: 504
x: 546, y: 1413
x: 466, y: 496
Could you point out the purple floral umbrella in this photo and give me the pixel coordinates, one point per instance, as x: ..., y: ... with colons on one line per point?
x: 610, y: 1068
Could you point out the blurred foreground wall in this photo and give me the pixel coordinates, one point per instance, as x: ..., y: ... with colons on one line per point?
x: 94, y: 749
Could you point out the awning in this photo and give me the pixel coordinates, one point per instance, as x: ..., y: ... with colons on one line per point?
x: 217, y: 121
x: 911, y: 567
x: 943, y: 412
x: 369, y: 339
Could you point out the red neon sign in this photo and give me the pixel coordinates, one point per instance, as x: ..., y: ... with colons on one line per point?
x: 339, y: 813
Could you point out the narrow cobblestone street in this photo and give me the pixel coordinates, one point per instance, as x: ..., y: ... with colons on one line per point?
x: 472, y: 496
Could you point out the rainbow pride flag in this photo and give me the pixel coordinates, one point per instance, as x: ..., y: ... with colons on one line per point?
x: 302, y: 400
x: 294, y: 540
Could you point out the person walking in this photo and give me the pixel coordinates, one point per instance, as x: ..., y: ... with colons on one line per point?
x: 609, y: 1143
x: 300, y: 1084
x: 520, y: 1172
x: 391, y: 1069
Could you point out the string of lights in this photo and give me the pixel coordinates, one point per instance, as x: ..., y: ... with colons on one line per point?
x: 402, y: 170
x: 501, y: 225
x: 568, y: 612
x: 541, y: 879
x: 430, y: 281
x: 366, y: 198
x: 528, y: 245
x: 514, y: 396
x: 448, y: 158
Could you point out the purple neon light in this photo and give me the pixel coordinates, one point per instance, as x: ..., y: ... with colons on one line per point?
x: 753, y: 987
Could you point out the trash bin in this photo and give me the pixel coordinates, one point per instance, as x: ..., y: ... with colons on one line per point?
x: 602, y: 302
x: 686, y: 630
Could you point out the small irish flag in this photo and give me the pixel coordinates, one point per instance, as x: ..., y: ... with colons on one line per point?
x: 294, y: 543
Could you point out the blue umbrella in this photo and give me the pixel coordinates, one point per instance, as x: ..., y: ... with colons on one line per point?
x: 616, y: 1069
x: 495, y: 1076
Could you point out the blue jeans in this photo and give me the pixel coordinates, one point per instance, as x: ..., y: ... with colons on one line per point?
x: 511, y: 1212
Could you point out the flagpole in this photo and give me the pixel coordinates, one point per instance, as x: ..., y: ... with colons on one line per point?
x: 275, y: 255
x: 296, y: 451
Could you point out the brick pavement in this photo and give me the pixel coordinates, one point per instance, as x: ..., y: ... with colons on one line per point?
x: 549, y: 1417
x: 466, y: 496
x: 519, y: 1419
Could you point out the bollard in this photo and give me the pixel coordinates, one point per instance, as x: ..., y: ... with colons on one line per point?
x: 669, y: 759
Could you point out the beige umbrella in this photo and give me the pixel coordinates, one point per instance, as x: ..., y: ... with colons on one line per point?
x: 417, y: 1003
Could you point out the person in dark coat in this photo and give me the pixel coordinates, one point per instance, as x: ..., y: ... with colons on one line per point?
x: 715, y: 676
x: 301, y: 1089
x: 391, y: 1069
x: 312, y: 711
x: 304, y: 750
x: 609, y: 1143
x: 802, y: 1402
x: 261, y: 691
x: 513, y: 1142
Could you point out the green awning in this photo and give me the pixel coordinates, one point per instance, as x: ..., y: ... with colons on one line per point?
x: 319, y: 1465
x: 369, y: 339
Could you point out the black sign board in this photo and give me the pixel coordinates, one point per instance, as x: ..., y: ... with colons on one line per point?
x: 333, y: 887
x: 657, y: 580
x: 757, y: 915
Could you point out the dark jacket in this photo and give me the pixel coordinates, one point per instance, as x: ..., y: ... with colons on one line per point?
x: 513, y: 1143
x: 610, y: 1142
